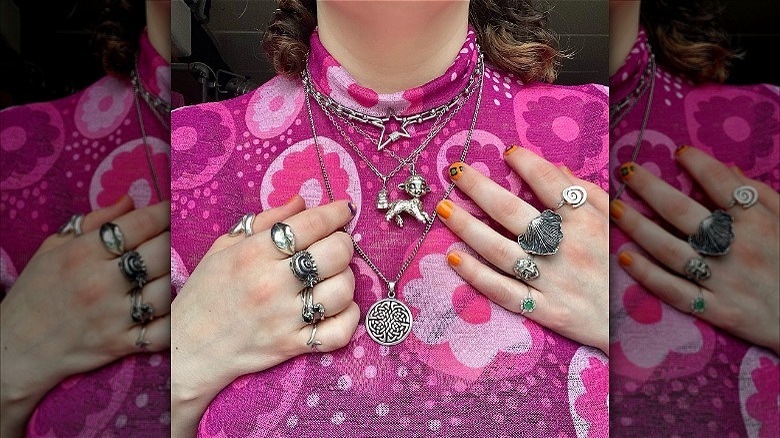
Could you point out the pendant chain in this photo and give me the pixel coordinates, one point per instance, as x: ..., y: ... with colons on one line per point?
x: 391, y: 283
x: 138, y: 89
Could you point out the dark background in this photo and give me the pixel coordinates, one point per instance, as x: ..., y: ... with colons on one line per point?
x: 55, y: 57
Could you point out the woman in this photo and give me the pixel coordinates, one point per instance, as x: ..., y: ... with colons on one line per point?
x: 413, y: 332
x: 83, y: 348
x: 718, y: 365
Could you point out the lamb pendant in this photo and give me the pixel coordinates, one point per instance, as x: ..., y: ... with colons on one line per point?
x: 416, y: 187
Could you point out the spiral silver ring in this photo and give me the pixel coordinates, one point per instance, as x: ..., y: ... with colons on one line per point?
x: 112, y: 238
x: 283, y: 238
x: 697, y: 269
x: 244, y: 226
x: 745, y: 196
x: 304, y: 268
x: 133, y: 268
x: 574, y: 196
x: 73, y: 225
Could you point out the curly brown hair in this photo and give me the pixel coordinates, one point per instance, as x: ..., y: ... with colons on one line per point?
x: 512, y: 33
x: 115, y: 38
x: 688, y: 38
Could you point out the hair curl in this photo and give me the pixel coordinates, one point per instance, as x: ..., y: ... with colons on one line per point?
x: 688, y: 38
x: 512, y: 33
x: 115, y: 38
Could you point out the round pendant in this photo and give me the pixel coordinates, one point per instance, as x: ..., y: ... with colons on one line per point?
x: 388, y: 321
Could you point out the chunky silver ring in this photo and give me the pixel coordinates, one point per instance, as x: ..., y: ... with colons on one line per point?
x: 112, y: 238
x: 543, y: 235
x: 714, y: 236
x: 133, y: 268
x: 244, y: 226
x: 304, y: 268
x: 525, y: 269
x: 528, y: 305
x: 574, y: 196
x: 73, y: 225
x: 140, y: 312
x: 140, y: 342
x: 283, y: 238
x: 698, y: 305
x: 745, y: 196
x: 313, y: 343
x: 697, y: 269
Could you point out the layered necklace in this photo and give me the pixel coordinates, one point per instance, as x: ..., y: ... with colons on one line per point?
x: 389, y: 321
x: 161, y: 110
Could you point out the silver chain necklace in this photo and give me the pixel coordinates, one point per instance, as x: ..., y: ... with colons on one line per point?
x: 138, y: 89
x: 384, y: 138
x: 389, y: 321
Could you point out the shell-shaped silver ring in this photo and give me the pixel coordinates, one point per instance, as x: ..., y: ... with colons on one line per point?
x: 543, y: 234
x: 304, y: 268
x: 112, y: 238
x: 283, y: 238
x: 714, y: 236
x: 73, y: 225
x: 244, y: 226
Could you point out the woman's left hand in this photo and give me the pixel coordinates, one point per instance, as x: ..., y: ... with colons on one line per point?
x: 571, y: 293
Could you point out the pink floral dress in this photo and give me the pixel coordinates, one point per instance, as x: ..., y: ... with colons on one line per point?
x: 79, y: 154
x: 673, y: 373
x: 468, y: 367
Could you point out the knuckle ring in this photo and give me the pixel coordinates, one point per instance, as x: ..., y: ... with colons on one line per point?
x: 283, y: 238
x: 73, y: 225
x: 304, y: 268
x: 244, y: 226
x: 112, y: 238
x: 714, y: 236
x: 525, y: 269
x: 133, y: 268
x: 697, y: 269
x: 140, y: 312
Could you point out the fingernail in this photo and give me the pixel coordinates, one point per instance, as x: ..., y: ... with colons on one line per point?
x: 681, y: 150
x: 616, y: 209
x: 294, y: 197
x: 510, y: 149
x: 566, y: 170
x: 625, y: 259
x: 627, y: 170
x: 352, y: 208
x: 738, y: 170
x: 121, y: 198
x: 453, y: 259
x: 444, y: 209
x: 456, y: 170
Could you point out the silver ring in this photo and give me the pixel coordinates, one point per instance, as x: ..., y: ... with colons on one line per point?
x: 697, y: 304
x: 313, y: 343
x: 304, y: 268
x: 73, y: 225
x: 745, y: 196
x: 543, y: 235
x: 525, y: 269
x: 714, y: 236
x: 244, y: 226
x: 574, y: 196
x: 283, y: 238
x: 312, y: 313
x: 140, y: 312
x: 112, y: 238
x: 133, y: 268
x: 528, y: 305
x: 140, y: 342
x: 697, y: 269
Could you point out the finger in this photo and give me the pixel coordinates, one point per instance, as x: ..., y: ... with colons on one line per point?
x: 493, y: 247
x: 714, y: 177
x: 157, y: 336
x: 336, y: 293
x: 332, y: 333
x: 92, y: 221
x: 156, y: 255
x: 674, y: 206
x: 767, y: 196
x: 505, y: 207
x: 675, y: 291
x: 596, y: 195
x: 666, y: 248
x: 331, y: 255
x: 262, y: 221
x: 502, y: 290
x: 546, y: 180
x: 138, y: 226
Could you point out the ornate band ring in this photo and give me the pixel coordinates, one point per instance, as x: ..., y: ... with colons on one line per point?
x: 697, y: 269
x: 304, y: 268
x: 133, y: 268
x: 244, y: 226
x: 73, y: 225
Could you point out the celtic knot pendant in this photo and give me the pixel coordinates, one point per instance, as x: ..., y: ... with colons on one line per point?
x: 388, y: 321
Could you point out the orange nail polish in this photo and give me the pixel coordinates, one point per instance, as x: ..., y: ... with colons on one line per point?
x: 444, y: 209
x: 627, y: 170
x: 566, y: 170
x: 121, y: 198
x: 625, y: 259
x: 738, y: 170
x: 456, y: 170
x: 291, y: 199
x: 510, y: 149
x: 681, y: 150
x: 616, y: 209
x: 453, y: 259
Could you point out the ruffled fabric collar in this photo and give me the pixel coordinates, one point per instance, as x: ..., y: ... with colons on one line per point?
x: 625, y: 80
x: 153, y: 70
x: 332, y: 79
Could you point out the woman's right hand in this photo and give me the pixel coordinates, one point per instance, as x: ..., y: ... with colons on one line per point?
x: 240, y: 310
x: 69, y: 311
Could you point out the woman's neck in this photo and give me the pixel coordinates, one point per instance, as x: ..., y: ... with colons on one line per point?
x: 623, y: 29
x: 158, y: 26
x: 391, y: 46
